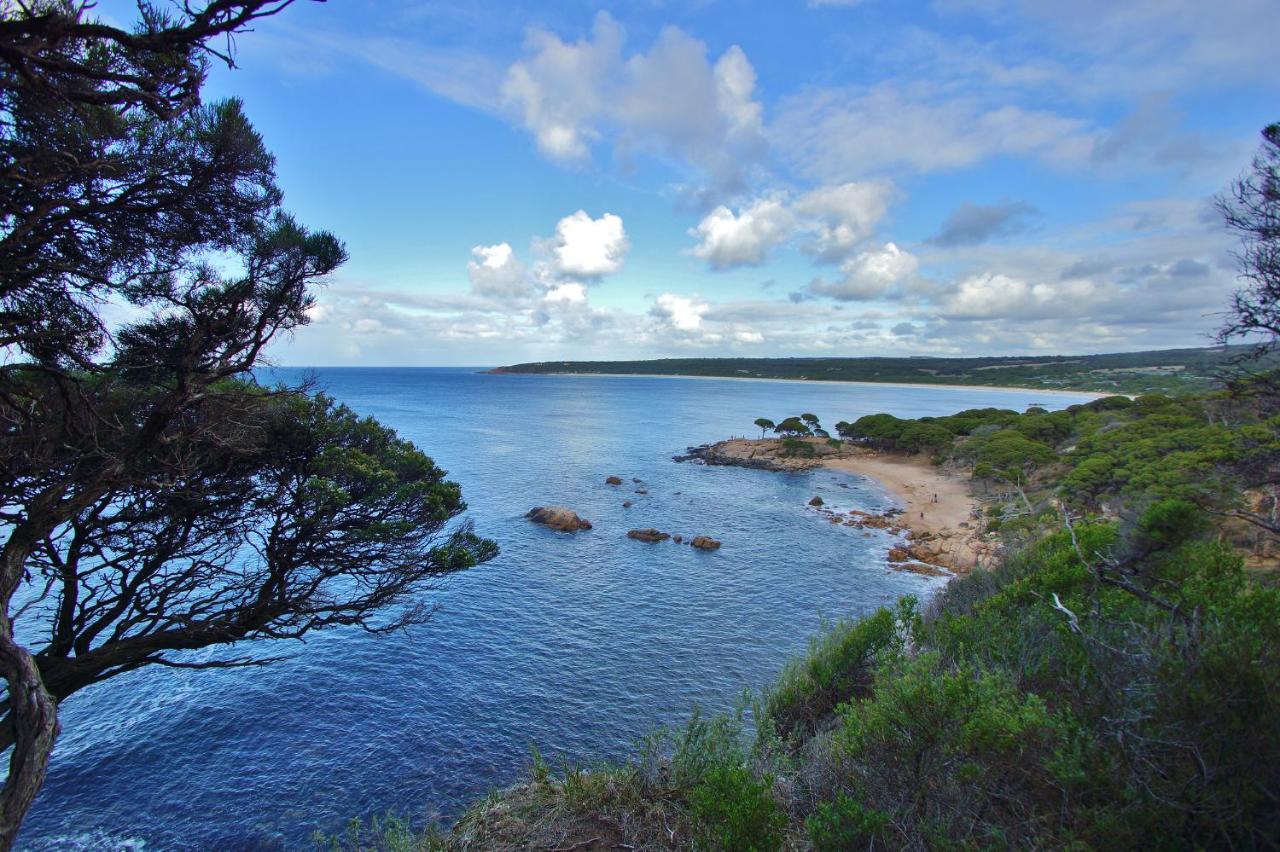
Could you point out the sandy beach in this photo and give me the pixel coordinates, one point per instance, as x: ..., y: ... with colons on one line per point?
x: 940, y: 511
x: 498, y: 371
x: 934, y: 502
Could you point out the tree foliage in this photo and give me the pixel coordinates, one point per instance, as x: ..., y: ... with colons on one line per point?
x: 155, y: 499
x: 1252, y: 210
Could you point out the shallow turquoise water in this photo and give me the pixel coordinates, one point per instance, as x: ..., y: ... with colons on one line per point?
x: 580, y: 644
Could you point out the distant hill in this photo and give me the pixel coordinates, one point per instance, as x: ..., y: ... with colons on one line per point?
x: 1172, y: 371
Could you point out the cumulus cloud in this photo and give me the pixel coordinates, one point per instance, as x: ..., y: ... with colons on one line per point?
x: 834, y: 219
x: 495, y: 272
x: 971, y: 224
x: 671, y: 101
x: 727, y: 239
x: 557, y: 87
x: 869, y: 274
x: 682, y: 313
x: 588, y: 248
x: 842, y: 216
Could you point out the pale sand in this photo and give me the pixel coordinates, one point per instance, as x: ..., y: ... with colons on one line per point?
x: 913, y: 480
x: 927, y: 385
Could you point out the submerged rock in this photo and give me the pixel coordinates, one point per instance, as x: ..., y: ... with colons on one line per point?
x: 816, y: 501
x: 558, y: 518
x: 649, y: 535
x: 613, y: 480
x: 626, y: 504
x: 703, y: 542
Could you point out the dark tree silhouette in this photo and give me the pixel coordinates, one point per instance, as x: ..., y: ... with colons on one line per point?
x: 1252, y: 210
x: 153, y: 498
x: 765, y: 425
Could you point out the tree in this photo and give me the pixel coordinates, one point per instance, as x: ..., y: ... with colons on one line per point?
x: 765, y: 425
x: 1252, y: 211
x: 793, y: 427
x: 155, y: 500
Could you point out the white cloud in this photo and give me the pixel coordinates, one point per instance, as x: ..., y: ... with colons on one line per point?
x: 588, y: 248
x: 727, y: 239
x: 557, y: 88
x: 682, y: 313
x: 570, y: 293
x: 671, y: 101
x: 842, y: 216
x: 835, y: 218
x: 495, y: 272
x: 869, y: 274
x: 833, y: 135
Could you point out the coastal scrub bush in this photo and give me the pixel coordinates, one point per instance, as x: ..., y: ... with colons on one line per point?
x: 733, y: 810
x: 845, y: 823
x: 838, y: 668
x: 924, y: 437
x: 796, y: 448
x: 933, y: 743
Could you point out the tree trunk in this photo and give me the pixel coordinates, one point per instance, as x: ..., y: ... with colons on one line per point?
x: 33, y: 713
x: 34, y: 716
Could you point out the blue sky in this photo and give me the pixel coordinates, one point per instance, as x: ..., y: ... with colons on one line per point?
x: 520, y: 181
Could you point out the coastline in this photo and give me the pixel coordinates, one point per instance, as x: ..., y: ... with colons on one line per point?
x: 930, y: 385
x: 940, y: 513
x: 915, y: 482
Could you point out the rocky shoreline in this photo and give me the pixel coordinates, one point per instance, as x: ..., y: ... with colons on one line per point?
x: 940, y: 526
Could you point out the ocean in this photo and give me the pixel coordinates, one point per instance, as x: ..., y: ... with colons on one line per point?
x: 578, y: 644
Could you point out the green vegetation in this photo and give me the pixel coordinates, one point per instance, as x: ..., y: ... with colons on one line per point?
x: 157, y: 500
x: 1112, y: 682
x: 1170, y: 371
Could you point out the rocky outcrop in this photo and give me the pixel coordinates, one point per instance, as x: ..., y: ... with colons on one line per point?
x: 816, y: 501
x: 703, y: 542
x: 650, y: 535
x: 768, y: 454
x: 558, y: 518
x: 921, y: 568
x: 613, y: 480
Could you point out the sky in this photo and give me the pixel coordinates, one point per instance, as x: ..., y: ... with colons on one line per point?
x: 522, y: 181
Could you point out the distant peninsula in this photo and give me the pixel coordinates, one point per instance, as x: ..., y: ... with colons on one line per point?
x: 1170, y: 371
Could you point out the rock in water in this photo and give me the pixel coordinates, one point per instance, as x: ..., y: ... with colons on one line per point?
x: 650, y: 535
x: 613, y: 480
x: 816, y: 501
x: 703, y: 542
x: 558, y: 518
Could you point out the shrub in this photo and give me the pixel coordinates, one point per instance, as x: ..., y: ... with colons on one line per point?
x: 837, y: 668
x: 730, y: 809
x: 796, y: 448
x: 846, y: 823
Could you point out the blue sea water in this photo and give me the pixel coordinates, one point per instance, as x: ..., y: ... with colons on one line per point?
x: 580, y: 644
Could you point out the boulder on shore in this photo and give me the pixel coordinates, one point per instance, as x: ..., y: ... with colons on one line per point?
x: 650, y: 535
x: 899, y: 554
x: 558, y: 518
x: 613, y: 480
x: 703, y: 542
x: 816, y: 501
